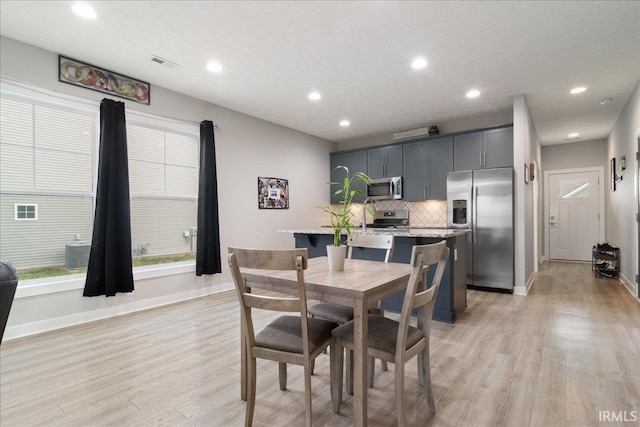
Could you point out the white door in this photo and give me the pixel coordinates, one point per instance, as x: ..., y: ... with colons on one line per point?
x: 573, y: 215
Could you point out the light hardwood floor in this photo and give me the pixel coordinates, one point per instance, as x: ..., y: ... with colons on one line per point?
x: 556, y: 357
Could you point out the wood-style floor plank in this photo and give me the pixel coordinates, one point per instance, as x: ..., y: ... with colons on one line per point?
x: 556, y: 357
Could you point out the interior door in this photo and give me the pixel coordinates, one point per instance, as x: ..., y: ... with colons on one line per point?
x: 574, y: 214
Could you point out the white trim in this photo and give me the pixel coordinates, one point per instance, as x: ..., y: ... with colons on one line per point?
x: 601, y: 208
x: 630, y: 286
x: 524, y: 290
x: 52, y: 285
x: 18, y: 331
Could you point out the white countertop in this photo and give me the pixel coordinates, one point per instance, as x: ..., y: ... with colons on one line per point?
x: 401, y: 232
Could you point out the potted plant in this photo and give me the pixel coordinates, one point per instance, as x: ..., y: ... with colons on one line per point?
x: 340, y: 216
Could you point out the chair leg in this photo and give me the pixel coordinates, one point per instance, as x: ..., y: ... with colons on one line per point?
x: 336, y: 361
x: 421, y: 369
x: 282, y: 375
x: 371, y: 370
x: 313, y: 364
x: 427, y: 380
x: 251, y: 391
x: 349, y: 372
x: 307, y: 395
x: 401, y: 410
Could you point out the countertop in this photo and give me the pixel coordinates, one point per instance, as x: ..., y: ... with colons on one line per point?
x: 443, y: 233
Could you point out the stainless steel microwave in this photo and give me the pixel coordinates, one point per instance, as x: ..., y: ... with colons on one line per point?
x: 385, y: 188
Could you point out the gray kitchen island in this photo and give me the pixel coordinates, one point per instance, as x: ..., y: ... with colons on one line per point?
x: 452, y: 295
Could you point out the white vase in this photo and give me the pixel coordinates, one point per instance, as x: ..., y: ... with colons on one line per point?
x: 336, y: 256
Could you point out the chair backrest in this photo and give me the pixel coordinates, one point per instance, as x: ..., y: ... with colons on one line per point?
x: 372, y: 241
x: 418, y: 292
x: 260, y: 259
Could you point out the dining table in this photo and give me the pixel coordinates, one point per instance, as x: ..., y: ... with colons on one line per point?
x: 361, y: 283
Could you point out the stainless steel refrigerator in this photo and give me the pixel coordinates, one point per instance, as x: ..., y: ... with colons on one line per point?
x: 482, y: 201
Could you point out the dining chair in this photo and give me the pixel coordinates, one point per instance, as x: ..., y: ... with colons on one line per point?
x: 342, y: 314
x: 287, y: 339
x: 398, y: 342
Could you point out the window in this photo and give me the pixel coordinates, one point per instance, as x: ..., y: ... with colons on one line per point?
x: 48, y: 163
x: 26, y: 212
x: 46, y: 178
x: 163, y: 181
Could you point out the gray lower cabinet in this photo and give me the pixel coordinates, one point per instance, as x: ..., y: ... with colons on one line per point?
x: 425, y: 168
x: 384, y: 161
x: 491, y: 148
x: 356, y: 161
x: 452, y: 295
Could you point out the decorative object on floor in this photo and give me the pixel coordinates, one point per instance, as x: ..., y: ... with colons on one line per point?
x: 273, y: 193
x: 89, y: 76
x: 341, y: 215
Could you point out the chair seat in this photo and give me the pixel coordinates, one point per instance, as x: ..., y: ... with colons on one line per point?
x: 285, y: 334
x: 383, y: 333
x: 334, y: 312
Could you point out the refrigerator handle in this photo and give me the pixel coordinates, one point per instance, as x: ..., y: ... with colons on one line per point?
x: 474, y: 197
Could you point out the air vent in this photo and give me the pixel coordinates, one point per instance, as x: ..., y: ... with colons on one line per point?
x: 411, y: 133
x: 164, y: 62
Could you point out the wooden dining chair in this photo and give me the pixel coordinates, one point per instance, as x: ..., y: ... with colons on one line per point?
x: 287, y: 339
x: 398, y: 342
x: 342, y: 314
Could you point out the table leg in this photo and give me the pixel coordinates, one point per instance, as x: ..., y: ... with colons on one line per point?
x: 360, y: 362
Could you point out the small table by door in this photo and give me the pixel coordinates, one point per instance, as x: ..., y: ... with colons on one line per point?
x: 359, y: 285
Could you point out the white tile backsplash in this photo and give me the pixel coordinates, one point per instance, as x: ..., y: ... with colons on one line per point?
x: 428, y: 213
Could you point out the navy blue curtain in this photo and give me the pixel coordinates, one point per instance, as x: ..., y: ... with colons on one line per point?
x: 109, y: 270
x: 208, y: 243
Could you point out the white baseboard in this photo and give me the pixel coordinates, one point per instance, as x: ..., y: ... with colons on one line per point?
x: 631, y: 287
x: 524, y: 290
x: 19, y: 331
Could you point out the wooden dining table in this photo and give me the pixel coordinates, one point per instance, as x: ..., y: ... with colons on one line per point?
x: 360, y: 284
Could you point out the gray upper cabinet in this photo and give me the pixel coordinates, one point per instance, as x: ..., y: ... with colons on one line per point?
x: 356, y: 161
x: 498, y: 146
x: 426, y: 164
x: 486, y: 149
x: 384, y: 161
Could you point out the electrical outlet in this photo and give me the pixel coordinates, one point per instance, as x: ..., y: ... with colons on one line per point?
x: 455, y: 254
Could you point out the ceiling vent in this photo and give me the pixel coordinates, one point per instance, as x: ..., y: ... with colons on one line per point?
x: 165, y: 62
x: 411, y: 133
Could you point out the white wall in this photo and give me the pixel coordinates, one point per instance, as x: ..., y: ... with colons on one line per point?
x: 246, y: 148
x: 526, y: 149
x: 621, y: 228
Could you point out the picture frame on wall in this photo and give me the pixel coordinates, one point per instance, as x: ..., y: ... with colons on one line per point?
x: 273, y: 193
x: 88, y: 76
x: 613, y: 174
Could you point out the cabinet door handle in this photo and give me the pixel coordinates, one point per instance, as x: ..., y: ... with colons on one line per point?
x: 428, y: 191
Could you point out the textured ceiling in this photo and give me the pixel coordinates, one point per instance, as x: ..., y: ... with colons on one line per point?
x: 358, y: 55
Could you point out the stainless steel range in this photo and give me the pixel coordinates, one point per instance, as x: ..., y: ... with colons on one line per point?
x: 390, y: 219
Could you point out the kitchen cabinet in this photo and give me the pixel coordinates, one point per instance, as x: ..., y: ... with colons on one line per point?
x: 385, y: 161
x: 356, y: 161
x: 425, y: 168
x: 491, y: 148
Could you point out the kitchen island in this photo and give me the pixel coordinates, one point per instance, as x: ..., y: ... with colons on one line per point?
x: 452, y: 295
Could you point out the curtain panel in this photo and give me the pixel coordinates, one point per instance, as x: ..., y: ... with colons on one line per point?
x: 208, y: 243
x: 109, y: 270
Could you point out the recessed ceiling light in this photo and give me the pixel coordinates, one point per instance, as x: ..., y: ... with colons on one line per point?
x: 606, y: 101
x: 344, y: 123
x: 419, y: 63
x: 84, y: 11
x: 573, y: 135
x: 473, y: 94
x: 576, y: 90
x: 314, y: 96
x: 214, y: 67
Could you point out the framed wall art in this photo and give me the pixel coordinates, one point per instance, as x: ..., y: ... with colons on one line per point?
x: 89, y: 76
x: 273, y: 193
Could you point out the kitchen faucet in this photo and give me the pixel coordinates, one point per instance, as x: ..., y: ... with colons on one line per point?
x: 364, y: 212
